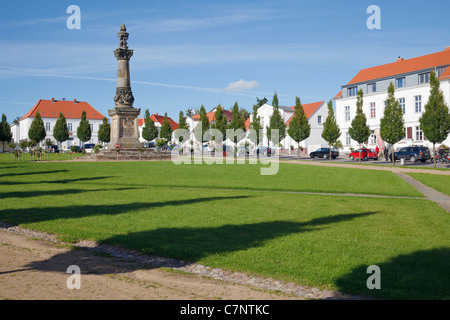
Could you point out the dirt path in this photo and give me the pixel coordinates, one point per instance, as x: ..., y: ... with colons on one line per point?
x: 33, y: 269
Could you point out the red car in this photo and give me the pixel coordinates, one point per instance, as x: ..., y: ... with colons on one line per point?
x: 366, y: 154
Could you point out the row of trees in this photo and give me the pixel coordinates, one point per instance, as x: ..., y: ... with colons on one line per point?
x: 37, y: 132
x: 434, y: 122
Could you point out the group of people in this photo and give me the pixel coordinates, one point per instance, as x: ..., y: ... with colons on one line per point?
x: 385, y: 152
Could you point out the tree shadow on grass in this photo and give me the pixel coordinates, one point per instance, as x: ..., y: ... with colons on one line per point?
x: 187, y: 244
x: 421, y: 275
x: 41, y: 193
x: 65, y: 181
x: 31, y: 173
x: 34, y: 215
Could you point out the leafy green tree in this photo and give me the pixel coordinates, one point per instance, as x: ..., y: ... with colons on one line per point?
x: 149, y: 132
x: 276, y: 122
x: 37, y: 131
x: 221, y: 121
x: 392, y: 123
x: 166, y: 129
x: 359, y: 130
x: 84, y: 129
x: 299, y: 127
x: 104, y: 132
x: 182, y: 124
x: 275, y: 100
x: 237, y: 123
x: 202, y: 127
x: 255, y: 125
x: 5, y: 131
x: 60, y: 131
x: 331, y: 131
x: 435, y: 121
x: 48, y: 144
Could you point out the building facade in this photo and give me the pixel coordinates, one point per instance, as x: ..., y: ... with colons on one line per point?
x: 411, y: 79
x: 50, y: 110
x: 158, y: 120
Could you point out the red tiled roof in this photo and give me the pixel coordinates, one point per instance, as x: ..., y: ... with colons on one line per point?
x: 247, y: 123
x: 309, y: 109
x: 70, y: 110
x: 445, y: 75
x: 158, y: 119
x: 401, y: 66
x: 212, y: 116
x: 338, y: 96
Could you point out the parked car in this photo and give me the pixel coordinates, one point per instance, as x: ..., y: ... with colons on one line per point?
x: 89, y: 147
x: 324, y: 153
x: 365, y: 153
x: 265, y: 151
x: 77, y: 149
x: 412, y: 153
x: 54, y: 149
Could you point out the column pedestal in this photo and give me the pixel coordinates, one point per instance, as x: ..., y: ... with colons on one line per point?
x: 124, y: 128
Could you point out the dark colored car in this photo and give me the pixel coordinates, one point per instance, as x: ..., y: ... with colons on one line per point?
x: 54, y: 149
x: 413, y: 153
x: 324, y: 153
x: 365, y: 154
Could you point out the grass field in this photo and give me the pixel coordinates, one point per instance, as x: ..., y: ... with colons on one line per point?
x: 439, y: 182
x: 230, y: 216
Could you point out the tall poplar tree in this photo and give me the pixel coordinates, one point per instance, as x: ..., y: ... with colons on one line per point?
x: 221, y: 121
x: 104, y: 132
x: 276, y: 122
x: 202, y: 127
x: 331, y: 131
x: 182, y: 124
x: 299, y: 127
x: 84, y: 132
x: 5, y: 131
x: 255, y: 125
x: 37, y: 131
x: 435, y: 121
x: 166, y: 129
x: 60, y: 130
x: 392, y: 123
x: 359, y: 130
x: 149, y: 132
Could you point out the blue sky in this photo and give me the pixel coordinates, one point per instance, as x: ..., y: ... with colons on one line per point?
x: 192, y: 53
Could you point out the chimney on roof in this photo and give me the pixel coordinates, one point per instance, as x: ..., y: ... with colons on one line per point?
x: 400, y: 59
x: 75, y: 101
x: 63, y: 99
x: 53, y: 100
x: 156, y: 113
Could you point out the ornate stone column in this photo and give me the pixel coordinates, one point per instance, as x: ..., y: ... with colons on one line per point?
x: 124, y: 117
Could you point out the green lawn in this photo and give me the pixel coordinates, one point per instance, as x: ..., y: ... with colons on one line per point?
x: 218, y: 216
x: 439, y: 182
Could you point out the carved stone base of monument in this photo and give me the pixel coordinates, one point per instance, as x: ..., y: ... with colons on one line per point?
x: 124, y: 128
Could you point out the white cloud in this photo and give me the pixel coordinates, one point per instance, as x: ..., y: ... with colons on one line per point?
x: 242, y: 85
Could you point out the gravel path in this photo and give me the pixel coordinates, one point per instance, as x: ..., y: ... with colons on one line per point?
x: 185, y: 279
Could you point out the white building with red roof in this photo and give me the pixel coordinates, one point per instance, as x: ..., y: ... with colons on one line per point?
x: 50, y: 110
x: 158, y: 120
x: 316, y: 113
x: 411, y: 79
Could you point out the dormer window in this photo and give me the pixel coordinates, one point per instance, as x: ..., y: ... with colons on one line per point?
x: 424, y: 78
x: 352, y: 91
x: 400, y: 82
x: 372, y: 87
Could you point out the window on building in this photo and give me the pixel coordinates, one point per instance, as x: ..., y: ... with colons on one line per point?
x: 47, y: 126
x: 352, y: 91
x: 347, y: 113
x: 69, y: 127
x: 424, y: 78
x: 373, y: 110
x: 440, y: 70
x: 400, y: 82
x: 319, y: 119
x: 348, y: 139
x: 419, y: 134
x: 418, y: 104
x: 372, y: 87
x: 402, y: 103
x: 92, y: 127
x: 373, y: 138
